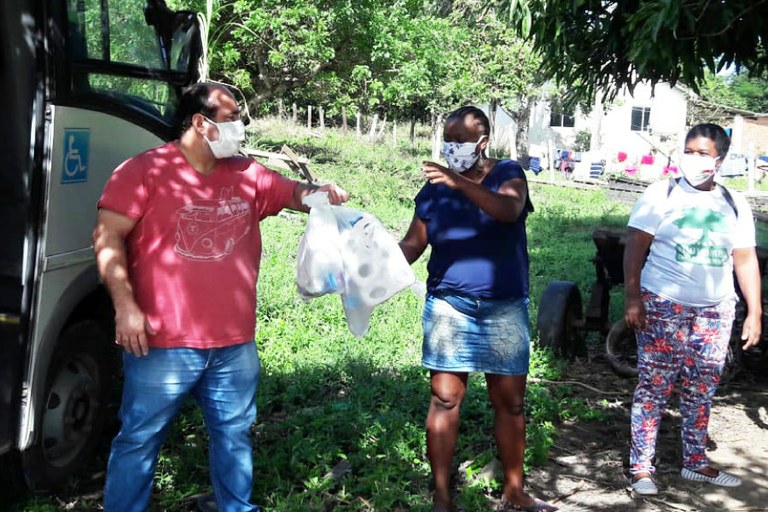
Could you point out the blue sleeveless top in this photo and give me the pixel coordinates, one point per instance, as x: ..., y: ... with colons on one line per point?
x: 472, y: 253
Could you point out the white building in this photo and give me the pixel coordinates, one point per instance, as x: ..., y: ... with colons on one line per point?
x: 639, y: 132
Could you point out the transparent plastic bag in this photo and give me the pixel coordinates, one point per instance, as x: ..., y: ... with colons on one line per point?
x: 373, y: 266
x: 319, y: 269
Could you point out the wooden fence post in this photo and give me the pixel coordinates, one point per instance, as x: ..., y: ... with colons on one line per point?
x: 437, y: 133
x: 372, y: 130
x: 394, y: 133
x: 309, y: 117
x: 359, y: 132
x: 280, y: 108
x: 344, y: 118
x: 295, y: 113
x: 321, y: 113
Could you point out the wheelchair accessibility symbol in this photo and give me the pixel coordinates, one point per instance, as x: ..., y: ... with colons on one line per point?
x: 76, y: 149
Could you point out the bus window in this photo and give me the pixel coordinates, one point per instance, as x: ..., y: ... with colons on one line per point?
x: 117, y: 56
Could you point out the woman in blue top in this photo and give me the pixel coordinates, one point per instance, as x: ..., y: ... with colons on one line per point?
x: 476, y: 312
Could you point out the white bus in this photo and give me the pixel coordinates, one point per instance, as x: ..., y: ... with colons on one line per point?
x: 85, y: 85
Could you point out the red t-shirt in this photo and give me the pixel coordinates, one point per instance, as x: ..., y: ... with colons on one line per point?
x: 194, y: 253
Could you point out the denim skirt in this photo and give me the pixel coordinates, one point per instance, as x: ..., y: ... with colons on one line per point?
x: 468, y: 334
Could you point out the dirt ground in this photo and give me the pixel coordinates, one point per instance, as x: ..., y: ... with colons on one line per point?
x: 588, y: 462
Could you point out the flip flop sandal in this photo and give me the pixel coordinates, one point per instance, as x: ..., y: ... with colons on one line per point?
x: 722, y: 479
x: 537, y: 506
x: 644, y: 486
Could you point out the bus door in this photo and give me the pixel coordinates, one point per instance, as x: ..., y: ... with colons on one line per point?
x: 109, y: 79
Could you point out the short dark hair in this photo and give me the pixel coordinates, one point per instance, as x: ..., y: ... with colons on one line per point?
x: 460, y: 113
x: 713, y: 132
x: 194, y: 100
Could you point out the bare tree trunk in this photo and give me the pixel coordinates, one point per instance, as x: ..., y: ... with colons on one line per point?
x: 321, y: 113
x: 412, y: 135
x: 372, y: 130
x: 295, y: 113
x: 357, y: 129
x: 492, y: 107
x: 523, y: 122
x: 309, y: 117
x: 344, y: 118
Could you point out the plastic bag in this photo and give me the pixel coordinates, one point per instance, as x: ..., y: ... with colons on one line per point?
x: 373, y: 268
x: 319, y: 269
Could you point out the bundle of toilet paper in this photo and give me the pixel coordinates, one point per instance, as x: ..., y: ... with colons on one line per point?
x: 350, y: 252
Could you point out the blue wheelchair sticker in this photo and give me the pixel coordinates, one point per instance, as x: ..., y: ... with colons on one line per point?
x: 76, y: 151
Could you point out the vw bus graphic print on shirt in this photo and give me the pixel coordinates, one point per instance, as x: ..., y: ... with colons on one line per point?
x: 208, y: 229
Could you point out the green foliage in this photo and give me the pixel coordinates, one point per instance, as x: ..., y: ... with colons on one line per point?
x: 582, y: 140
x: 598, y: 45
x: 404, y: 58
x: 738, y: 91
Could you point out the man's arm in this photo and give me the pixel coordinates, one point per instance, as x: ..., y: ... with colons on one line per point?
x: 747, y: 270
x: 131, y: 326
x: 336, y: 195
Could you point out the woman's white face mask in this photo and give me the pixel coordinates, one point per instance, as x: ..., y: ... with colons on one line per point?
x: 231, y: 134
x: 697, y: 168
x: 459, y: 156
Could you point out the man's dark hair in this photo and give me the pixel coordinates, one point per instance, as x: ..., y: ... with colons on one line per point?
x: 460, y: 113
x: 713, y: 132
x: 194, y: 100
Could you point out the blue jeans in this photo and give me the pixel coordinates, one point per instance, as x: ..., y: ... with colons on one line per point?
x: 223, y: 382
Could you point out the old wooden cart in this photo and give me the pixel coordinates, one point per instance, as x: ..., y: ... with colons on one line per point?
x: 562, y: 325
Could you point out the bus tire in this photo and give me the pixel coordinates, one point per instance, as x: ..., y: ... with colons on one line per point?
x: 74, y: 408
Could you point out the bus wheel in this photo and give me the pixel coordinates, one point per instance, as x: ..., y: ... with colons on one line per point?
x: 74, y: 406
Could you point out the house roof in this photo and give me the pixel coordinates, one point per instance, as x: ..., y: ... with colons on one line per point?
x: 718, y: 111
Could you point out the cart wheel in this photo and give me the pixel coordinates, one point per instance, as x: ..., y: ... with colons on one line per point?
x: 559, y: 322
x: 621, y: 349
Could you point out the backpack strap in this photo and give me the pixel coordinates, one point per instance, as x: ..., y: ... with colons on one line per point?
x: 672, y: 183
x: 729, y: 199
x: 726, y: 194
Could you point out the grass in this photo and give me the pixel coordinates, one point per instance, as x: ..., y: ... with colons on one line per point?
x: 341, y: 419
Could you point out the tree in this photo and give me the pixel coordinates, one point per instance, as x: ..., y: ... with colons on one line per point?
x: 611, y: 44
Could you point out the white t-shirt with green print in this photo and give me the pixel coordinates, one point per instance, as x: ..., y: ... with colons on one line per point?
x: 695, y: 232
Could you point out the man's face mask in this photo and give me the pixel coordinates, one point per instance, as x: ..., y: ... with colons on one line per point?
x: 697, y: 168
x: 461, y: 156
x: 231, y: 134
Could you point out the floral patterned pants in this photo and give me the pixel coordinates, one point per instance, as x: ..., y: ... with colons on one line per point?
x: 679, y: 341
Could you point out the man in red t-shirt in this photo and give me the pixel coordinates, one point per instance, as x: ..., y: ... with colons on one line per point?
x: 178, y: 245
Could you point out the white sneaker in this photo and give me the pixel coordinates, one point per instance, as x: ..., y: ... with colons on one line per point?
x: 644, y: 486
x: 722, y: 479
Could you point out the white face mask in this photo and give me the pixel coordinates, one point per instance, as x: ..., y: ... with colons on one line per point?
x: 231, y: 134
x: 461, y: 156
x: 697, y: 168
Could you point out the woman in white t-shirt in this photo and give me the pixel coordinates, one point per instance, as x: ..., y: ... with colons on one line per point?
x: 680, y: 301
